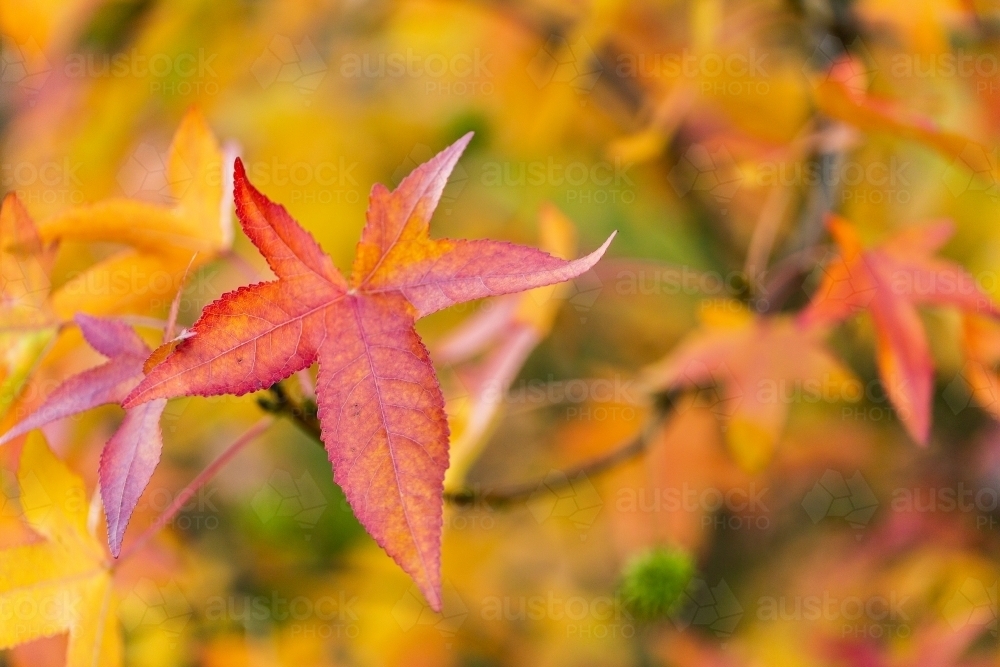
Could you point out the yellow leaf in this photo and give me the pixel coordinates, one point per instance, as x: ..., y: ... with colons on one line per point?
x: 64, y: 583
x: 538, y: 307
x: 53, y: 499
x: 163, y: 238
x: 511, y: 333
x: 19, y: 353
x: 95, y: 638
x: 37, y: 590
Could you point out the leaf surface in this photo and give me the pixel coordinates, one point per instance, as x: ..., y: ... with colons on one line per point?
x: 380, y: 405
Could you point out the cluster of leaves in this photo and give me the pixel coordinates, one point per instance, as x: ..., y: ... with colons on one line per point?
x: 380, y: 404
x: 396, y: 441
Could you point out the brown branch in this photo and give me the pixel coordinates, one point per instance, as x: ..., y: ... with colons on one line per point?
x: 303, y: 414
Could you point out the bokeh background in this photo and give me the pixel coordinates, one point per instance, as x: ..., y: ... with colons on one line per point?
x: 704, y: 132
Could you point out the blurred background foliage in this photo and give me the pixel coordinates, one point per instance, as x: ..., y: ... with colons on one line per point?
x: 696, y: 129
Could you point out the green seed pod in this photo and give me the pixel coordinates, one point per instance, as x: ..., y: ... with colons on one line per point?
x: 652, y: 582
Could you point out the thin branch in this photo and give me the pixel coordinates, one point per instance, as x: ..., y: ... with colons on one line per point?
x: 303, y: 413
x: 192, y: 488
x: 304, y: 416
x: 515, y: 493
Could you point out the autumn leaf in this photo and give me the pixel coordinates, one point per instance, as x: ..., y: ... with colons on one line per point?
x: 161, y: 238
x: 507, y: 333
x: 380, y: 404
x: 841, y: 94
x: 62, y: 584
x: 754, y: 365
x: 132, y: 453
x: 889, y: 281
x: 28, y: 325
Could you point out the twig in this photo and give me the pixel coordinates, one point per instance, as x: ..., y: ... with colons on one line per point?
x: 514, y: 493
x: 304, y: 415
x: 192, y: 488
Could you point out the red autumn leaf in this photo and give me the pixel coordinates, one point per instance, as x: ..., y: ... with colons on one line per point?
x: 380, y: 404
x: 132, y: 453
x: 889, y: 281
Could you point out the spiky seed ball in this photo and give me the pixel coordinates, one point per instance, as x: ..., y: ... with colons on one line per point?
x: 652, y: 582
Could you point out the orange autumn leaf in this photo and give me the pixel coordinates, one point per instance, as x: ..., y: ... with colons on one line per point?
x: 380, y: 405
x: 889, y: 281
x: 842, y: 95
x: 754, y: 365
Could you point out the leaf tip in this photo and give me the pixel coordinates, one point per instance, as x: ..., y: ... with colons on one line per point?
x: 239, y: 175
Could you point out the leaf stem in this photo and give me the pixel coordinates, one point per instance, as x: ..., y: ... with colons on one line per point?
x: 192, y: 488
